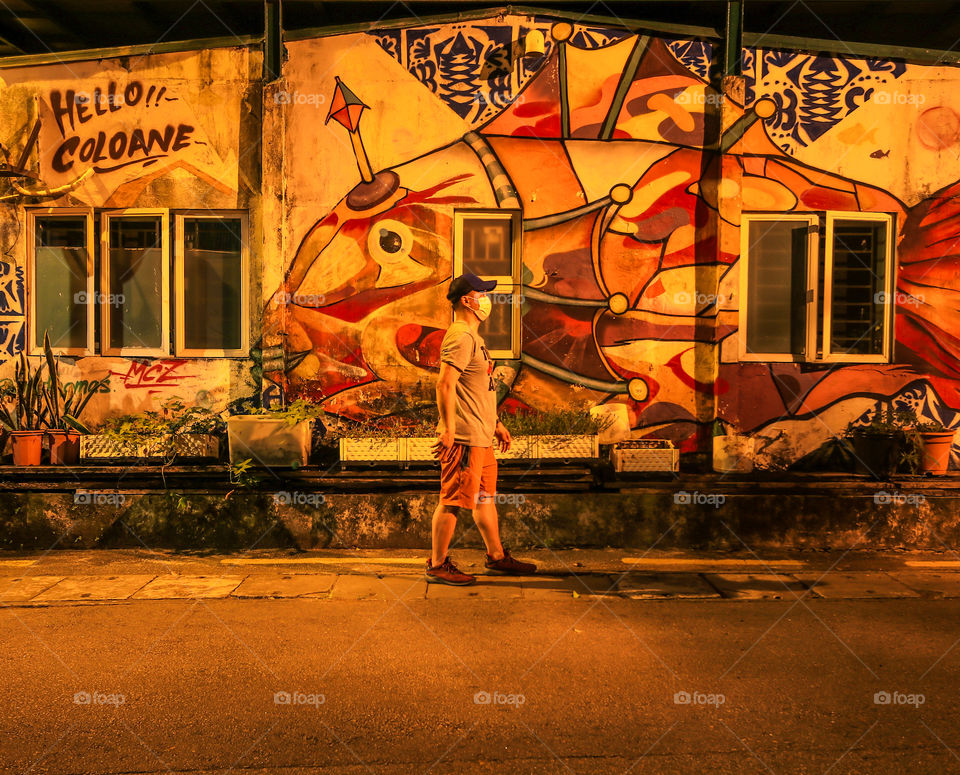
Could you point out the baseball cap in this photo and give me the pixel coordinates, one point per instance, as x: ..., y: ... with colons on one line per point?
x: 468, y: 281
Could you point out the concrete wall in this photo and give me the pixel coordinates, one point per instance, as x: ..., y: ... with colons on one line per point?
x: 800, y: 519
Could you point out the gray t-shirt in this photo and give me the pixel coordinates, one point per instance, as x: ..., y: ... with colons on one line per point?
x: 476, y: 398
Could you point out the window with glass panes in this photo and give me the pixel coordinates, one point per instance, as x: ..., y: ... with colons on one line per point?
x: 60, y: 281
x: 817, y: 287
x: 486, y: 242
x: 135, y: 283
x: 119, y: 299
x: 211, y: 270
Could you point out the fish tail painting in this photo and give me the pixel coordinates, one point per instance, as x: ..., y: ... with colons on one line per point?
x: 630, y: 180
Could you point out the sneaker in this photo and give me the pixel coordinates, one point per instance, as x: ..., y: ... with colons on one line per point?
x: 446, y: 573
x: 509, y: 565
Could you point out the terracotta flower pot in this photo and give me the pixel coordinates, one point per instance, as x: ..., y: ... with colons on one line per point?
x: 936, y: 451
x: 64, y: 447
x: 27, y: 446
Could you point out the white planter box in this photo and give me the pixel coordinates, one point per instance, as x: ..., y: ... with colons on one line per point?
x: 193, y: 445
x: 645, y: 455
x: 521, y: 448
x: 188, y: 445
x: 733, y: 454
x: 418, y: 448
x: 95, y: 446
x: 268, y: 441
x: 370, y: 449
x: 566, y: 447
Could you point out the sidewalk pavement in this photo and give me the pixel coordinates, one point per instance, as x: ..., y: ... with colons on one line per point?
x: 98, y: 576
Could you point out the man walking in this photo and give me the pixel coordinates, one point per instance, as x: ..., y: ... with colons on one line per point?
x: 467, y: 399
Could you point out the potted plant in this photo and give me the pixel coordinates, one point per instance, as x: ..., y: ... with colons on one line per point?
x: 274, y: 437
x: 563, y: 433
x: 644, y: 455
x: 732, y: 452
x: 390, y: 439
x: 65, y: 403
x: 934, y: 441
x: 878, y: 445
x: 370, y: 441
x: 23, y: 412
x: 176, y: 431
x: 407, y: 433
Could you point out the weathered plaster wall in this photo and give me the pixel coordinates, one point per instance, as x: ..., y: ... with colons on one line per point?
x: 169, y: 131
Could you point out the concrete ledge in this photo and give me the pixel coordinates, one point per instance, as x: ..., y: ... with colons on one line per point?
x: 695, y: 512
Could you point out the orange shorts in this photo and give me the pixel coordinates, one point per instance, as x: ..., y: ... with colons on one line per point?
x: 468, y: 476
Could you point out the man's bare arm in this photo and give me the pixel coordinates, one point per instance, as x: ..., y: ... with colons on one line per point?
x: 447, y: 395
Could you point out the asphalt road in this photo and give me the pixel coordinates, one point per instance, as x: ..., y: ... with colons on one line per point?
x: 457, y: 685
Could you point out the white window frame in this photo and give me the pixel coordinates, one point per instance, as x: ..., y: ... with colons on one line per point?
x: 105, y: 348
x: 179, y: 268
x: 32, y: 214
x: 819, y: 220
x: 511, y: 283
x: 888, y: 306
x: 812, y: 221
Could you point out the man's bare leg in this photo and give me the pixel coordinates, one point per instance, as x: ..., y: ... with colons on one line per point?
x: 444, y: 523
x: 485, y: 515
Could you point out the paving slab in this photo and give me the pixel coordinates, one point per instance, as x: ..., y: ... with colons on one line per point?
x: 175, y: 587
x: 486, y: 588
x: 379, y: 588
x: 711, y: 563
x: 566, y: 587
x: 757, y: 586
x: 652, y: 586
x: 19, y: 589
x: 94, y: 588
x: 287, y: 585
x: 930, y: 582
x: 834, y: 584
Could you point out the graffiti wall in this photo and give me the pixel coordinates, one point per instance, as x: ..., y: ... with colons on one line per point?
x: 648, y: 193
x: 634, y: 168
x: 166, y: 132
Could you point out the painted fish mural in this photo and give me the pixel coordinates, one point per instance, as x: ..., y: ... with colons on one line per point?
x: 630, y: 172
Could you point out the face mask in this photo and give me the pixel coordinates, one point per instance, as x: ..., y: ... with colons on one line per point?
x: 482, y: 310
